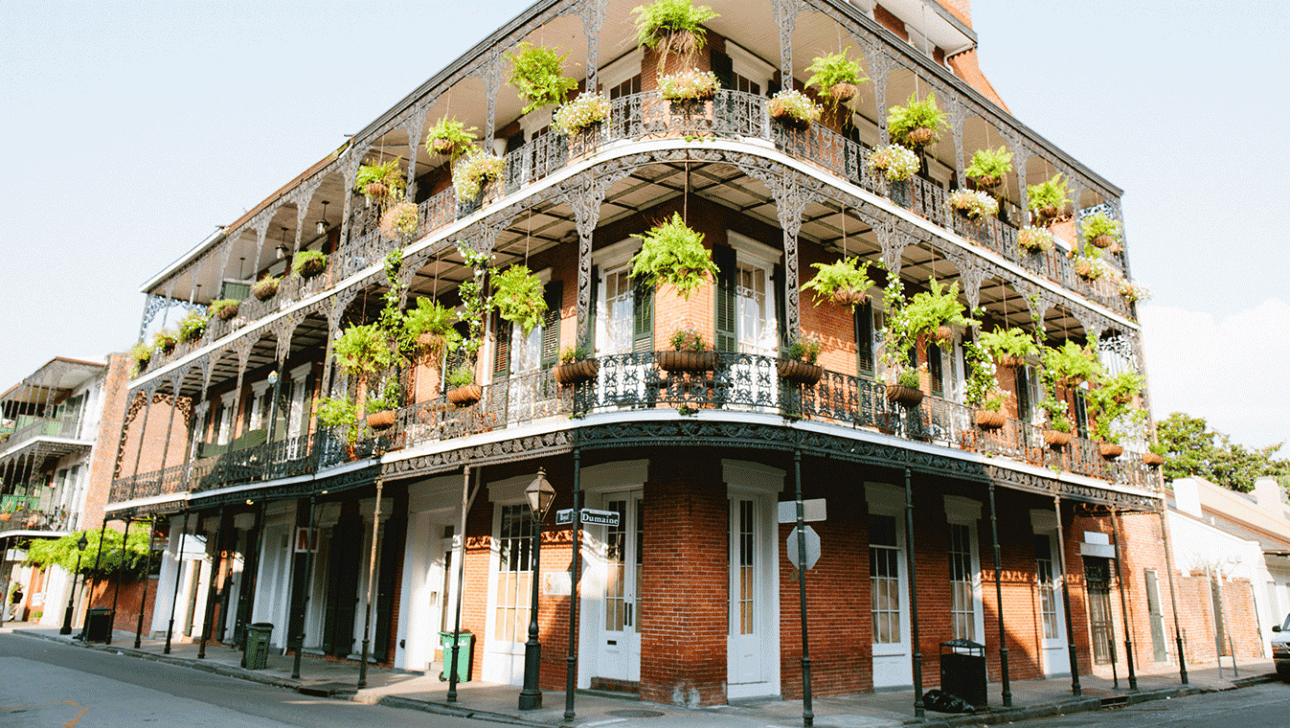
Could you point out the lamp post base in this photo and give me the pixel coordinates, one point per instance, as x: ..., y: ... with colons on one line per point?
x: 531, y: 695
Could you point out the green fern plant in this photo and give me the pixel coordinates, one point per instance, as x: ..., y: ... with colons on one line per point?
x: 989, y: 166
x: 917, y: 123
x: 537, y: 74
x: 1002, y: 343
x: 429, y: 325
x: 836, y: 77
x: 381, y: 181
x: 450, y: 138
x: 517, y: 296
x: 673, y: 253
x: 845, y: 282
x: 1047, y: 198
x: 672, y: 26
x: 362, y: 351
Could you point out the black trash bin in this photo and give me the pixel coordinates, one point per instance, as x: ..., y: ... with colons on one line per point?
x: 99, y: 624
x: 255, y: 656
x: 963, y: 671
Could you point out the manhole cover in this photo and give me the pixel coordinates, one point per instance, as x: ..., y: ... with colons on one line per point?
x: 636, y: 713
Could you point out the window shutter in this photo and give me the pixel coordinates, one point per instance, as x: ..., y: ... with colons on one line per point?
x: 502, y: 350
x: 724, y: 69
x: 553, y: 295
x: 779, y: 280
x: 283, y: 409
x: 864, y: 339
x: 1081, y: 414
x: 642, y: 318
x: 514, y: 141
x: 936, y: 370
x: 590, y: 343
x: 727, y: 337
x: 1023, y: 394
x: 235, y: 291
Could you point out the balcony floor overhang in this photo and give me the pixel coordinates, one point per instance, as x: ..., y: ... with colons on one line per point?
x: 43, y: 447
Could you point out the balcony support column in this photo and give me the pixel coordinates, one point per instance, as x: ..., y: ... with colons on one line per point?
x: 998, y: 598
x: 916, y: 650
x: 957, y: 116
x: 585, y: 195
x: 250, y: 580
x: 1020, y: 159
x: 1173, y: 597
x: 138, y: 632
x: 786, y: 20
x: 1124, y: 600
x: 592, y: 13
x: 790, y: 202
x: 170, y: 421
x: 216, y: 565
x: 1066, y: 597
x: 179, y: 571
x: 89, y: 598
x: 412, y: 125
x: 143, y: 428
x: 307, y: 583
x: 120, y: 574
x: 243, y: 353
x: 491, y: 70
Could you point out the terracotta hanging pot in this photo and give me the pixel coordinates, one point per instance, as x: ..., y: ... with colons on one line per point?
x: 1110, y: 450
x: 576, y: 372
x: 990, y: 419
x: 918, y: 138
x: 465, y: 396
x: 799, y: 372
x: 687, y: 361
x: 381, y: 420
x: 908, y: 396
x: 1155, y: 460
x: 1056, y: 438
x: 1103, y: 241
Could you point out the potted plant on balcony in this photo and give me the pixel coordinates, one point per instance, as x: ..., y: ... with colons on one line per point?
x: 1090, y: 265
x: 989, y: 167
x: 1109, y: 407
x: 673, y: 253
x: 672, y: 26
x: 265, y: 288
x: 450, y: 138
x: 336, y: 412
x: 800, y: 366
x: 982, y: 387
x: 1071, y: 365
x: 309, y: 263
x: 517, y: 297
x: 916, y: 124
x: 1036, y: 239
x: 382, y: 411
x: 400, y: 220
x: 1101, y: 231
x: 141, y: 353
x: 689, y: 353
x: 837, y: 77
x: 538, y: 76
x: 192, y: 327
x: 363, y: 350
x: 576, y: 366
x: 688, y: 85
x: 896, y: 163
x: 580, y: 115
x: 845, y: 282
x: 1048, y: 199
x: 933, y: 313
x: 1133, y: 292
x: 793, y: 109
x: 474, y: 171
x: 463, y: 391
x: 380, y: 182
x: 225, y: 309
x: 973, y: 204
x: 1155, y: 455
x: 475, y: 306
x: 1009, y: 346
x: 165, y: 341
x: 1057, y: 431
x: 429, y: 327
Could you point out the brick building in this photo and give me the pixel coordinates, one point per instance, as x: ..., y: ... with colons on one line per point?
x: 691, y: 598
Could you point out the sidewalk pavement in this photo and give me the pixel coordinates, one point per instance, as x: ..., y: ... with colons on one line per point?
x: 498, y: 703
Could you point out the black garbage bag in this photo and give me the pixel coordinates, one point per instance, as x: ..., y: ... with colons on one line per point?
x: 943, y: 702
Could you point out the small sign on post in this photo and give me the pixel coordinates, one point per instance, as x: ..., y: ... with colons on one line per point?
x: 590, y: 517
x: 812, y: 510
x: 812, y: 547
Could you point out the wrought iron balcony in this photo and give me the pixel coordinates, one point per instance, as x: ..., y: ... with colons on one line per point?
x: 26, y: 513
x: 635, y: 382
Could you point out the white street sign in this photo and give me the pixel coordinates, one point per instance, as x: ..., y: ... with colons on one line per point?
x: 590, y: 517
x: 812, y: 510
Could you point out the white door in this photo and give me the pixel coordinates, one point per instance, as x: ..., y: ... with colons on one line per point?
x: 744, y: 657
x: 620, y: 654
x: 443, y: 585
x: 1055, y: 659
x: 756, y: 382
x: 619, y: 381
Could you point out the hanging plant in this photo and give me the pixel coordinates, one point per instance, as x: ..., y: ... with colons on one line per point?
x: 917, y: 123
x: 1070, y: 365
x: 837, y: 77
x: 933, y: 313
x: 192, y: 327
x: 1057, y: 425
x: 584, y: 112
x: 309, y: 263
x: 989, y: 167
x: 793, y: 108
x: 982, y: 387
x: 1101, y: 231
x: 1134, y: 292
x: 1090, y: 267
x: 673, y: 253
x: 475, y: 304
x: 688, y: 85
x: 895, y: 162
x: 402, y: 219
x: 1036, y: 239
x: 538, y: 76
x: 800, y: 366
x: 165, y: 341
x: 363, y: 351
x: 1047, y: 199
x: 450, y: 138
x: 689, y: 353
x: 429, y: 326
x: 380, y: 182
x: 1008, y: 346
x: 141, y: 354
x: 474, y: 171
x: 1110, y: 408
x: 224, y: 309
x: 672, y: 26
x: 265, y: 288
x: 576, y: 366
x: 845, y: 282
x: 517, y: 296
x: 973, y: 204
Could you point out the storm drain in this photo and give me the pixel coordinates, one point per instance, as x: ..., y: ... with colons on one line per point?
x: 636, y: 713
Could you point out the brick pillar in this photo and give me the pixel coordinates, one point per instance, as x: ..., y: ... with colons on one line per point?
x: 685, y: 582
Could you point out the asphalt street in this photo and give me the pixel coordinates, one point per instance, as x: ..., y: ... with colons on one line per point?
x: 1260, y: 706
x: 45, y: 684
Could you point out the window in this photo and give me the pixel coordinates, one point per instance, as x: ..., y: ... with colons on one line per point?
x: 1047, y: 586
x: 884, y: 579
x: 755, y: 318
x: 618, y: 308
x: 514, y: 573
x: 747, y: 86
x: 616, y: 569
x: 626, y: 88
x: 744, y: 548
x: 866, y: 347
x: 962, y: 603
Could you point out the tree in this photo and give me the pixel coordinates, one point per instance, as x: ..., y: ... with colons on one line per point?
x: 1190, y: 448
x: 63, y: 552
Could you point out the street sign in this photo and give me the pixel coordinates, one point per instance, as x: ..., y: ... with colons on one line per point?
x: 812, y: 510
x: 812, y: 547
x: 590, y: 517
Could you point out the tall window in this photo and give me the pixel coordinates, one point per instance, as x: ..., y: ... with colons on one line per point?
x: 618, y: 312
x: 962, y: 607
x: 747, y: 578
x: 884, y: 579
x: 616, y: 569
x: 514, y: 573
x: 1047, y: 586
x: 626, y: 88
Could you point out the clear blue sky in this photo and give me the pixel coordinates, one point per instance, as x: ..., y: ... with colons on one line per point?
x: 134, y: 129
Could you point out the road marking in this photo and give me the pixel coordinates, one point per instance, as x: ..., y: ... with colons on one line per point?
x: 69, y: 724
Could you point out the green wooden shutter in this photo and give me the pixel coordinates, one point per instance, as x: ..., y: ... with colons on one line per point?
x: 864, y: 339
x: 1022, y: 386
x: 642, y: 318
x: 779, y: 280
x: 723, y: 68
x: 936, y: 370
x: 590, y: 342
x: 727, y: 338
x: 553, y: 295
x: 502, y: 351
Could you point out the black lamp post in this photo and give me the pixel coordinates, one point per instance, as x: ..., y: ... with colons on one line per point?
x: 540, y: 494
x: 67, y: 616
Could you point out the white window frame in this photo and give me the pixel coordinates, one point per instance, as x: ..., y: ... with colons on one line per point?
x: 257, y: 396
x: 1044, y: 523
x: 621, y: 69
x: 754, y: 253
x: 967, y: 512
x: 888, y: 500
x: 747, y: 64
x: 224, y: 430
x: 611, y: 259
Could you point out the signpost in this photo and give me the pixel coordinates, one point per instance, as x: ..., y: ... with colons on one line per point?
x: 590, y: 517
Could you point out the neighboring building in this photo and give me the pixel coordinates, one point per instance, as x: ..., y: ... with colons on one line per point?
x: 61, y: 431
x: 1227, y: 540
x: 691, y: 598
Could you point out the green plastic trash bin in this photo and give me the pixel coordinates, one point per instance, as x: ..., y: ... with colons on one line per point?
x: 100, y: 624
x: 255, y: 656
x: 465, y: 650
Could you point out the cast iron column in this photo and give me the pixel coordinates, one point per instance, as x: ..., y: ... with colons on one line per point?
x: 307, y: 579
x: 808, y: 715
x: 998, y: 596
x: 138, y: 632
x: 571, y: 662
x: 1173, y: 599
x: 913, y: 597
x: 89, y: 600
x: 451, y: 668
x: 1066, y: 598
x: 179, y: 570
x: 1124, y: 602
x: 371, y: 577
x: 216, y: 565
x: 71, y: 597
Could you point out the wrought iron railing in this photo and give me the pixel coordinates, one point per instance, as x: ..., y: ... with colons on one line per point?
x: 43, y: 427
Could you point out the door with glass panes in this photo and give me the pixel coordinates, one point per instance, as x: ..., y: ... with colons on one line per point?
x: 620, y: 653
x: 750, y: 643
x: 624, y: 336
x: 749, y: 321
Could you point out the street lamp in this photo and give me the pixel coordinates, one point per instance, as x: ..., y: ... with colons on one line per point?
x: 540, y: 494
x: 67, y: 616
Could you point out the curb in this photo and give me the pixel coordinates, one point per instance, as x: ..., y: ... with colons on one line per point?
x: 1077, y: 705
x: 394, y: 701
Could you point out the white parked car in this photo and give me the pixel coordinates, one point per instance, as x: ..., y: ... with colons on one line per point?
x: 1281, y: 648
